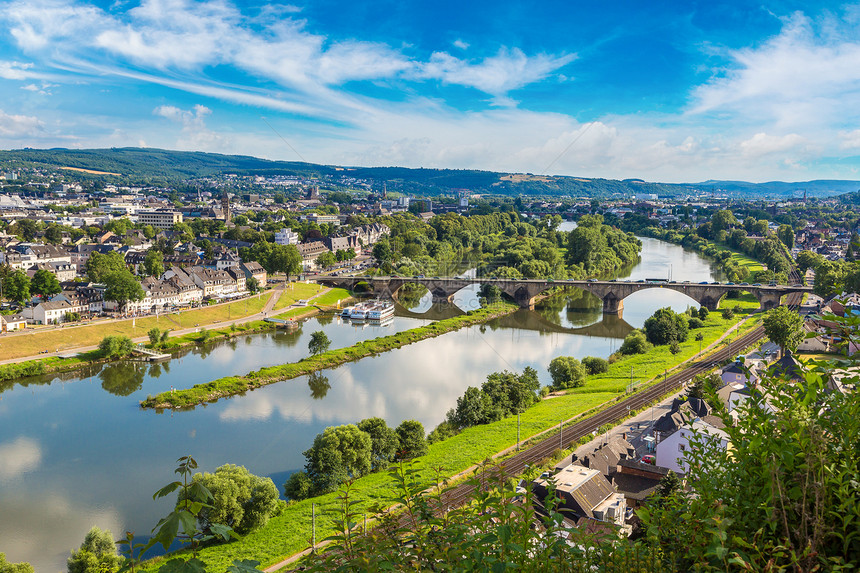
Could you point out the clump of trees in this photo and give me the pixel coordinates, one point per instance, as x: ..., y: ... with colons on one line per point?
x: 96, y: 554
x: 784, y: 327
x: 635, y: 343
x: 341, y: 453
x: 503, y: 394
x: 116, y: 346
x: 241, y: 500
x: 666, y: 326
x: 567, y: 372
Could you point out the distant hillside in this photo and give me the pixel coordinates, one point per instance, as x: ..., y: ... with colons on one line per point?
x: 145, y: 166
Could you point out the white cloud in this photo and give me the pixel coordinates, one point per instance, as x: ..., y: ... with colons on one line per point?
x: 15, y: 70
x: 763, y: 144
x: 195, y: 135
x: 807, y: 74
x: 14, y: 126
x: 850, y: 139
x: 508, y: 70
x: 460, y: 44
x: 19, y: 456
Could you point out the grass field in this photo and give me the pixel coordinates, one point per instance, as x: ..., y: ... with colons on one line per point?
x: 741, y: 259
x: 643, y: 367
x: 70, y: 337
x: 290, y: 532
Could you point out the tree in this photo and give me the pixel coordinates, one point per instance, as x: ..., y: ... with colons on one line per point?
x: 242, y: 501
x: 727, y: 313
x: 384, y: 442
x: 722, y: 220
x: 666, y: 326
x: 54, y: 234
x: 99, y: 265
x: 674, y: 347
x: 45, y: 283
x: 786, y: 234
x: 784, y: 327
x: 382, y: 251
x: 326, y: 260
x: 595, y: 365
x: 412, y: 440
x: 318, y: 343
x: 6, y: 567
x: 337, y: 454
x: 116, y: 346
x: 284, y: 259
x: 473, y: 408
x: 16, y: 286
x: 703, y: 313
x: 97, y: 554
x: 253, y: 285
x: 635, y: 343
x: 153, y: 263
x: 154, y: 335
x: 122, y: 287
x: 299, y: 486
x: 566, y: 372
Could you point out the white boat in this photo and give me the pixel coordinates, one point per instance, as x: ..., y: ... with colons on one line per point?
x: 380, y: 311
x: 359, y: 311
x: 346, y: 311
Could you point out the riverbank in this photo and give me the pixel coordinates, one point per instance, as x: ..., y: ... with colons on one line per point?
x: 63, y: 361
x: 288, y: 533
x: 232, y: 385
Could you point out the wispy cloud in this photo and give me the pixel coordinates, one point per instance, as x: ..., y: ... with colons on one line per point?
x: 17, y: 126
x: 194, y: 135
x: 19, y: 456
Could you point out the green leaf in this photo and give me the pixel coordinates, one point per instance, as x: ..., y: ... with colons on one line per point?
x: 223, y: 531
x: 167, y: 528
x: 166, y: 490
x: 193, y: 565
x: 244, y: 566
x: 189, y: 523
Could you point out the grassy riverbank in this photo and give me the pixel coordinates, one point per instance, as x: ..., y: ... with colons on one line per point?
x: 12, y: 372
x: 290, y: 532
x: 640, y: 368
x: 231, y: 385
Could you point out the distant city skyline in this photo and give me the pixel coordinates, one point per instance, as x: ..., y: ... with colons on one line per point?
x: 752, y: 91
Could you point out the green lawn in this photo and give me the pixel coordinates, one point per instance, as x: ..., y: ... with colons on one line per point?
x: 290, y: 532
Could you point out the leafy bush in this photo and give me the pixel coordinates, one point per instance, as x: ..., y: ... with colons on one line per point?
x: 635, y: 343
x: 595, y: 365
x: 666, y: 326
x: 116, y: 346
x: 242, y: 501
x: 695, y: 323
x: 566, y: 372
x: 727, y: 313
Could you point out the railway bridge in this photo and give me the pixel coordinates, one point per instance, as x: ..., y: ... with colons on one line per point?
x: 612, y: 293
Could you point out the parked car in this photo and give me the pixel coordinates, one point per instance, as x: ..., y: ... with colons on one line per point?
x: 649, y: 459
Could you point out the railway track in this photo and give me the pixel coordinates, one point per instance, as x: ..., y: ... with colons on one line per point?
x: 564, y: 438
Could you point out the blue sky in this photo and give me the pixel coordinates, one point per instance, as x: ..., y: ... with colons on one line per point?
x: 663, y: 91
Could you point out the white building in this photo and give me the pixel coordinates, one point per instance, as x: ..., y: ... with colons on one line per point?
x: 286, y: 237
x: 159, y: 218
x: 672, y: 448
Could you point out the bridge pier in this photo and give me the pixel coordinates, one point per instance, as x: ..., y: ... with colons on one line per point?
x: 711, y: 303
x: 613, y: 305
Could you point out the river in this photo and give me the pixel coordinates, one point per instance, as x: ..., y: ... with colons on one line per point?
x: 76, y: 451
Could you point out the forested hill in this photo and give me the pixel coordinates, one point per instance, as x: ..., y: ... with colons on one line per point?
x: 147, y: 166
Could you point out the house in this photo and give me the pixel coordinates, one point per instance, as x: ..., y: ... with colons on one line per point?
x: 585, y: 492
x: 681, y: 412
x: 310, y: 252
x: 738, y: 373
x: 52, y: 312
x: 637, y: 480
x: 788, y: 368
x: 671, y: 449
x: 213, y: 282
x: 12, y: 322
x: 253, y: 269
x: 605, y: 456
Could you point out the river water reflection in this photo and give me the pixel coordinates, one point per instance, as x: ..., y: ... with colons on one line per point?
x: 73, y: 455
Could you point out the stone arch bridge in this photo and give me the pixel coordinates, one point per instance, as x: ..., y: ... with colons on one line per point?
x: 612, y: 293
